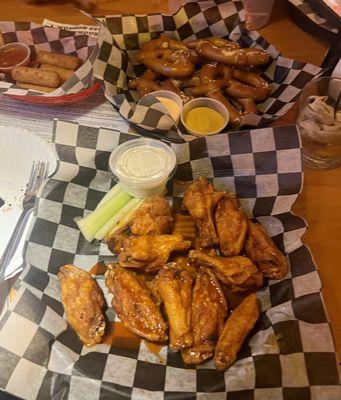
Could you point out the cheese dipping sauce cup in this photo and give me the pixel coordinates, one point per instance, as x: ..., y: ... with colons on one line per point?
x: 205, y: 102
x: 143, y: 166
x: 170, y: 100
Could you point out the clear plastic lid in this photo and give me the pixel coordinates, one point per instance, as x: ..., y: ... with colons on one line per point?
x: 142, y: 160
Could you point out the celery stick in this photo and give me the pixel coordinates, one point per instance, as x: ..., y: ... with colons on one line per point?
x: 90, y: 224
x: 112, y: 193
x: 116, y: 218
x: 127, y: 218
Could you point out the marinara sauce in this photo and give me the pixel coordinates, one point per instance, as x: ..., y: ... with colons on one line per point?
x: 11, y: 56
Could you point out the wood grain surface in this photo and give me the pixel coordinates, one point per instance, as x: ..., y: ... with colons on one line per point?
x: 320, y: 200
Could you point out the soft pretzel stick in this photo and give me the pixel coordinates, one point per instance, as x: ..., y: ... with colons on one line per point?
x: 151, y: 59
x: 262, y: 87
x: 249, y: 106
x: 256, y: 57
x: 237, y: 57
x: 176, y: 45
x: 219, y: 42
x: 208, y: 72
x: 194, y: 57
x: 143, y: 86
x: 231, y: 57
x: 161, y: 43
x: 174, y: 86
x: 194, y: 80
x: 181, y: 56
x: 213, y: 70
x: 238, y: 90
x: 208, y: 82
x: 235, y: 115
x: 176, y: 56
x: 209, y: 86
x: 151, y: 75
x: 193, y: 44
x: 164, y: 42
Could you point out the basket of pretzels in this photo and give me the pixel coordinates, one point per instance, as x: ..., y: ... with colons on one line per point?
x: 203, y: 50
x: 214, y: 67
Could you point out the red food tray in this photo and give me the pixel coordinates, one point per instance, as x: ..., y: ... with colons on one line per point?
x: 57, y: 100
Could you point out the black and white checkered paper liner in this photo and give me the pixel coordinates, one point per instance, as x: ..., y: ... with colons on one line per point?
x: 43, y: 38
x: 121, y: 37
x: 306, y: 9
x: 290, y: 353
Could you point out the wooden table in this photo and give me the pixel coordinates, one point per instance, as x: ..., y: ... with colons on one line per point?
x: 320, y: 201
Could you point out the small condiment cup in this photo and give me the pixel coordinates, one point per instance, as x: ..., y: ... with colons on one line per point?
x: 168, y: 95
x: 204, y: 102
x: 21, y: 63
x: 131, y: 168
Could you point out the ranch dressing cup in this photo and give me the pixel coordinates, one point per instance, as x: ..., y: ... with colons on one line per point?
x: 143, y: 166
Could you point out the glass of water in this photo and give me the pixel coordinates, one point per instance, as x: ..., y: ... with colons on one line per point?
x: 319, y: 123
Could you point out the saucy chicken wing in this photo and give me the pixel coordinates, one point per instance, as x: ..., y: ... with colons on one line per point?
x: 153, y: 217
x: 83, y: 303
x: 150, y: 252
x: 133, y: 304
x: 238, y: 273
x: 209, y: 311
x: 260, y: 248
x: 200, y: 200
x: 234, y: 332
x: 175, y: 290
x: 184, y: 263
x: 231, y: 225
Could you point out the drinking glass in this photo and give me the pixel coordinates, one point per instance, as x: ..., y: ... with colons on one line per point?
x: 319, y: 123
x: 257, y: 13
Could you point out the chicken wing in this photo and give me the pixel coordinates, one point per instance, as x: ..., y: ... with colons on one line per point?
x: 180, y: 263
x: 231, y: 225
x: 150, y: 252
x: 153, y: 217
x: 235, y: 330
x: 200, y: 200
x: 83, y: 303
x: 238, y: 273
x: 260, y: 248
x: 185, y: 226
x: 184, y: 263
x: 133, y: 304
x: 115, y: 241
x: 175, y: 290
x: 209, y: 310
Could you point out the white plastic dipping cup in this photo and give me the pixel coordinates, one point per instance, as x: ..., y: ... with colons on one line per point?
x: 204, y: 102
x: 170, y: 100
x: 143, y: 166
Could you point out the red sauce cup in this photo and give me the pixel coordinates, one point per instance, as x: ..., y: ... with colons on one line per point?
x: 14, y: 55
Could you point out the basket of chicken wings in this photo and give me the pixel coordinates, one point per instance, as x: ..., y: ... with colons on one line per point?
x: 174, y: 274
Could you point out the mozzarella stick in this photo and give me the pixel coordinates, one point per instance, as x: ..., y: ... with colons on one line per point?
x: 64, y: 73
x: 39, y: 88
x: 234, y: 332
x: 36, y: 76
x: 60, y: 60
